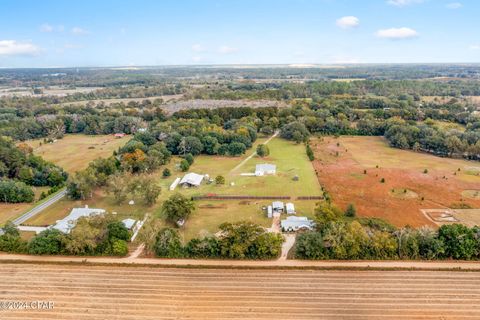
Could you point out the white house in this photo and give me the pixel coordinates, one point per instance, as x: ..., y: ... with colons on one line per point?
x: 264, y: 169
x: 294, y: 223
x: 68, y: 223
x: 290, y: 208
x: 191, y: 180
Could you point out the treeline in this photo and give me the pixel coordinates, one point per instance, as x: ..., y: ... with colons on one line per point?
x: 338, y: 237
x: 20, y: 170
x: 427, y: 138
x: 96, y: 235
x: 316, y: 89
x: 242, y: 240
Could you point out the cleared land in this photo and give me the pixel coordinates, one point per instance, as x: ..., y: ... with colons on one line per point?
x: 100, y: 292
x: 74, y: 152
x: 123, y: 100
x: 290, y: 159
x: 344, y: 178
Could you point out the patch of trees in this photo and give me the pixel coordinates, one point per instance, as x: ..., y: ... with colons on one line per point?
x: 427, y: 138
x: 242, y: 240
x: 20, y: 169
x: 97, y: 235
x: 337, y: 237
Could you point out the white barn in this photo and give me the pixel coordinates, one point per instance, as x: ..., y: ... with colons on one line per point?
x: 290, y: 208
x: 265, y: 169
x: 192, y: 180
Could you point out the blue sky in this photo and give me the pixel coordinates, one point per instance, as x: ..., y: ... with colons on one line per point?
x: 121, y: 33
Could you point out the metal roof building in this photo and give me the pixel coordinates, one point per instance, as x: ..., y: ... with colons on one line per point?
x: 68, y: 223
x: 265, y: 168
x: 294, y: 223
x: 192, y: 179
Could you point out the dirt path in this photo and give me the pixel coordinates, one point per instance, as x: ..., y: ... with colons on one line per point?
x: 115, y: 292
x: 253, y: 154
x: 287, y: 245
x: 380, y: 264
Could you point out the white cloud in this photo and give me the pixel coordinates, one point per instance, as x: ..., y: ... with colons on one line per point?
x: 397, y: 33
x: 403, y: 3
x: 197, y: 59
x: 475, y: 47
x: 227, y: 50
x: 348, y: 22
x: 72, y: 46
x: 454, y: 5
x: 79, y: 31
x: 46, y: 28
x: 16, y: 48
x: 198, y: 48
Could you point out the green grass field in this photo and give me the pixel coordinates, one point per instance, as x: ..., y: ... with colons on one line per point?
x: 75, y: 151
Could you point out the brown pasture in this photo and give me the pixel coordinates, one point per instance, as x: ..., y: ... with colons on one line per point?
x: 341, y: 164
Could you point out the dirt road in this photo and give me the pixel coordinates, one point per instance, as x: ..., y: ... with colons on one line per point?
x: 378, y: 264
x: 114, y: 292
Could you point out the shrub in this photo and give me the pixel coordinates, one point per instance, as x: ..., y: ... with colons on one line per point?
x: 166, y: 173
x: 220, y: 180
x: 350, y: 212
x: 119, y: 248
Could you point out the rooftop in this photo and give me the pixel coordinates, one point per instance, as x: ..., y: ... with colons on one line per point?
x: 66, y: 224
x: 192, y: 178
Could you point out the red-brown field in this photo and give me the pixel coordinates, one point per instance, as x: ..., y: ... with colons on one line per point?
x: 115, y: 292
x: 399, y: 198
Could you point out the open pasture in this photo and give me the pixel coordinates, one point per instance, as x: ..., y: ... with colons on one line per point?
x: 74, y: 152
x: 347, y: 167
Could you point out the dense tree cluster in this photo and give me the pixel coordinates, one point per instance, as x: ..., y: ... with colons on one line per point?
x: 242, y: 240
x: 20, y: 169
x: 343, y: 238
x: 97, y: 235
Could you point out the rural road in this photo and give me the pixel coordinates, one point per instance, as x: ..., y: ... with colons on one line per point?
x: 34, y: 211
x: 320, y: 264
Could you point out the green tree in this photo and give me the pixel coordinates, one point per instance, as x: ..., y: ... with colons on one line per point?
x: 49, y: 241
x: 177, y: 208
x: 166, y: 173
x: 184, y: 165
x: 219, y: 180
x: 351, y: 212
x: 168, y: 244
x: 263, y: 150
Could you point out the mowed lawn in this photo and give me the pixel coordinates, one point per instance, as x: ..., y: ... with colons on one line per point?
x: 74, y: 152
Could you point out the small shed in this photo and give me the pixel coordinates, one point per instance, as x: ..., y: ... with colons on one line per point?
x: 278, y: 206
x: 265, y: 169
x: 129, y: 223
x: 269, y: 211
x: 174, y: 184
x: 290, y: 208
